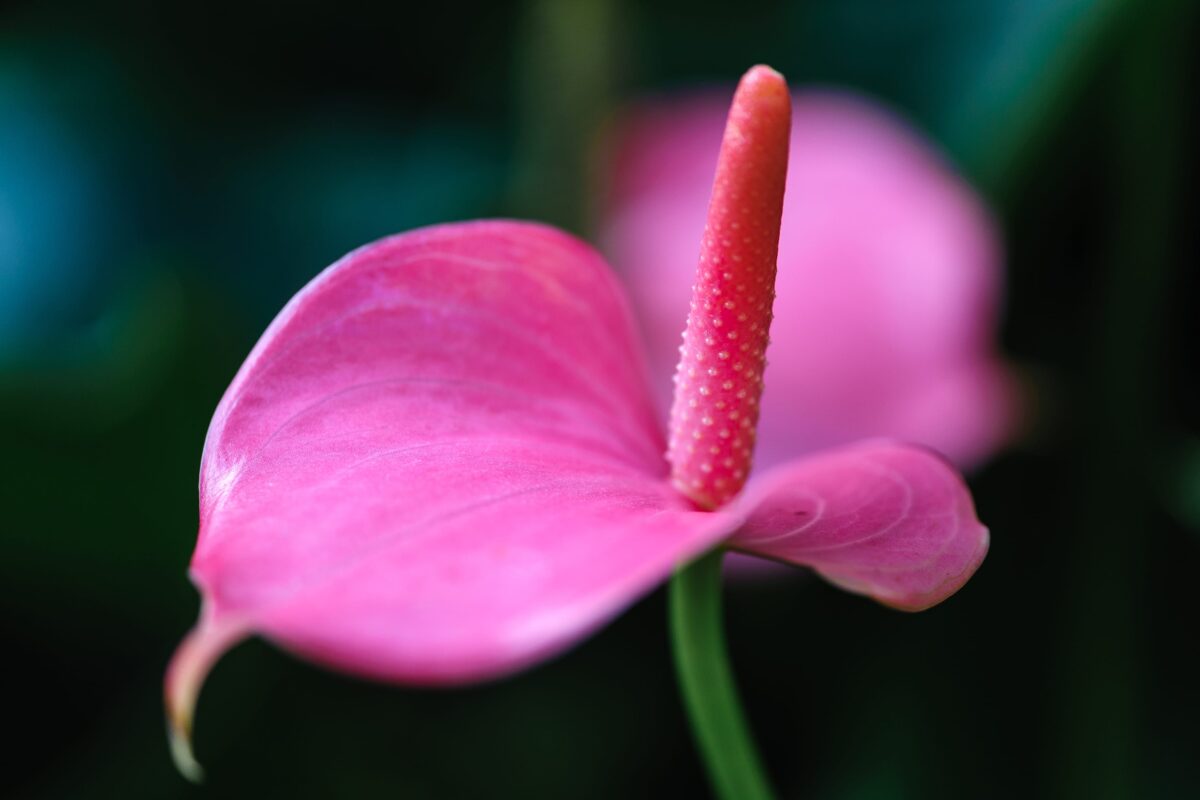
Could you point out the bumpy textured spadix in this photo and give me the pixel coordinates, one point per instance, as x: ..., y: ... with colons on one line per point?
x: 442, y: 464
x: 889, y: 283
x: 719, y: 380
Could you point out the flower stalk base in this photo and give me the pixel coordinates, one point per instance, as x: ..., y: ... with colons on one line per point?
x: 706, y: 682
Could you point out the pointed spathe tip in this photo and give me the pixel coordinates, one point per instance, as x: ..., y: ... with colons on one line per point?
x: 180, y: 739
x: 190, y: 665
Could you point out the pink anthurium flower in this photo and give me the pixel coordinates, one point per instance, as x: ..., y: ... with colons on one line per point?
x: 889, y: 276
x: 442, y: 462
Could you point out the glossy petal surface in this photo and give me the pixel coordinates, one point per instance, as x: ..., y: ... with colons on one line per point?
x: 441, y: 464
x: 886, y: 520
x: 888, y: 284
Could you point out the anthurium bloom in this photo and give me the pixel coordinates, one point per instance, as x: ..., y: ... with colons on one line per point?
x: 442, y: 462
x: 889, y: 276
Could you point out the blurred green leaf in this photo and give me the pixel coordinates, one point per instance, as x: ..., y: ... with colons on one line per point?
x: 986, y: 77
x: 101, y: 456
x: 569, y: 57
x: 101, y: 374
x: 290, y: 200
x: 74, y: 167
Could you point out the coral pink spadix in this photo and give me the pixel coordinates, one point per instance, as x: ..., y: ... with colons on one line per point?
x: 890, y: 280
x: 719, y: 381
x: 442, y: 463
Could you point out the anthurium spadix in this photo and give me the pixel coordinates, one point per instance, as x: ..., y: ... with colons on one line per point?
x: 890, y: 275
x: 442, y: 462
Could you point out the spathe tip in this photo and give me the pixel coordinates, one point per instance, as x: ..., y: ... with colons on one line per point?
x: 190, y: 665
x: 180, y: 740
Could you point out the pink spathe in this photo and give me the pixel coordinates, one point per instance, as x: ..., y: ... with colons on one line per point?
x: 442, y: 463
x: 889, y: 276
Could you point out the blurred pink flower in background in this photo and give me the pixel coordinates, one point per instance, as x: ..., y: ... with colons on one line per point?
x: 889, y: 281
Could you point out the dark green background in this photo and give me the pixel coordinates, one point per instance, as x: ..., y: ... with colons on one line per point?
x: 175, y: 171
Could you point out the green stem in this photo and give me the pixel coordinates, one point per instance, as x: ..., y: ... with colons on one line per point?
x: 706, y: 681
